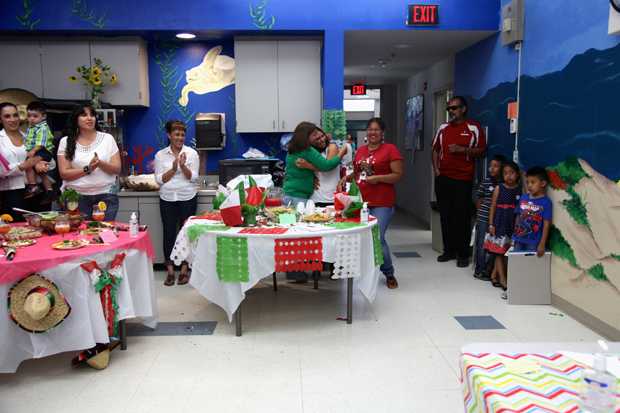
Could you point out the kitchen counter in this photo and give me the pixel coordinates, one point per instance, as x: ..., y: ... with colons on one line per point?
x: 124, y: 193
x: 146, y: 206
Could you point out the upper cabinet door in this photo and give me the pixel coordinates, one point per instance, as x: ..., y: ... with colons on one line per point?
x: 256, y: 86
x: 299, y: 83
x: 128, y: 60
x: 23, y: 70
x: 60, y: 59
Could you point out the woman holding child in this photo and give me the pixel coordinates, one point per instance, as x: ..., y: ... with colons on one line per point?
x: 13, y: 161
x: 89, y: 162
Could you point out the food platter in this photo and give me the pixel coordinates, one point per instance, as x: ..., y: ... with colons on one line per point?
x: 20, y: 233
x: 317, y: 217
x: 69, y: 244
x: 19, y: 243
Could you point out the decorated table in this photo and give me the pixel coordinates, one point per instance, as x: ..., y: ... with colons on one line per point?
x: 537, y: 377
x: 80, y: 279
x: 228, y: 261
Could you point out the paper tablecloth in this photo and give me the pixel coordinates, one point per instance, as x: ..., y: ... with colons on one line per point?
x: 42, y: 256
x: 521, y: 382
x: 201, y: 256
x: 86, y: 324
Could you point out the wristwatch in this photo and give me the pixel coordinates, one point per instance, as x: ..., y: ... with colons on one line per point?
x: 86, y: 169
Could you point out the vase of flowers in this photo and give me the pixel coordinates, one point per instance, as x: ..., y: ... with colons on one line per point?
x: 96, y: 77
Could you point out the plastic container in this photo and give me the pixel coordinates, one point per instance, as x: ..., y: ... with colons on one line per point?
x: 364, y: 213
x: 599, y: 388
x: 133, y: 226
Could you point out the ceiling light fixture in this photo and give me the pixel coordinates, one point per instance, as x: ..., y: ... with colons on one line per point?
x: 402, y: 46
x: 186, y: 36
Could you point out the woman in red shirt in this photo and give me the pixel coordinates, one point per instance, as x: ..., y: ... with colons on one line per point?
x: 377, y: 167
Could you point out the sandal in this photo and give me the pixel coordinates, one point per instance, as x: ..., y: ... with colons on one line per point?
x: 183, y: 275
x: 497, y: 284
x: 170, y: 279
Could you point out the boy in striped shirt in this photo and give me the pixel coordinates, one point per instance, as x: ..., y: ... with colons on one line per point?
x: 39, y: 142
x: 483, y: 204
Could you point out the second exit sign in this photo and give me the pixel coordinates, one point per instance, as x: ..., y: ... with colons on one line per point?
x: 423, y: 15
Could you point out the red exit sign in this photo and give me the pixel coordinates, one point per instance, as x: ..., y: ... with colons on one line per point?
x: 358, y: 90
x: 423, y: 15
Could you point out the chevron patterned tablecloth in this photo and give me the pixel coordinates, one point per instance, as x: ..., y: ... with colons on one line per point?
x: 502, y: 383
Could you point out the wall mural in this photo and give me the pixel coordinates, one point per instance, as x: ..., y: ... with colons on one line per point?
x: 26, y: 19
x: 169, y: 80
x: 563, y: 113
x: 259, y: 18
x: 584, y: 239
x: 81, y: 9
x: 214, y: 73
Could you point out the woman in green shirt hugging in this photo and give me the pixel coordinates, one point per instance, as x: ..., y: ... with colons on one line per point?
x: 299, y: 182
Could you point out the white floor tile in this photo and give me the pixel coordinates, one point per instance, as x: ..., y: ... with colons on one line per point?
x: 401, y: 354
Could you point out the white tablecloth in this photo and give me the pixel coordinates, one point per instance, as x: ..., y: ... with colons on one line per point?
x: 85, y: 326
x: 201, y: 256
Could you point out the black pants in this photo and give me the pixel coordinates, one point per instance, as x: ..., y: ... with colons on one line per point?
x: 454, y: 199
x: 173, y: 215
x: 10, y: 199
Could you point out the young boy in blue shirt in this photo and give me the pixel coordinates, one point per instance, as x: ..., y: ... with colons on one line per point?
x: 534, y: 214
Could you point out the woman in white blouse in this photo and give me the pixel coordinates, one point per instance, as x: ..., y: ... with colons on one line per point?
x: 89, y: 162
x: 13, y: 161
x: 176, y: 171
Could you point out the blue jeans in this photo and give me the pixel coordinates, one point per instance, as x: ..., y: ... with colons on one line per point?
x: 88, y: 201
x: 483, y: 258
x: 292, y: 201
x: 384, y: 216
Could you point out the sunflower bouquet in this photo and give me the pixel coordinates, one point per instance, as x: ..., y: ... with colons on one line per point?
x: 96, y: 77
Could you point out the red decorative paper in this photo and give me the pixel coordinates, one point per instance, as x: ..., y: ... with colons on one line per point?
x: 213, y: 216
x: 356, y: 220
x: 263, y: 230
x: 299, y: 254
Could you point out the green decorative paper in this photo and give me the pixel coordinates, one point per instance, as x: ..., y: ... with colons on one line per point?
x: 344, y: 225
x: 195, y: 231
x: 106, y: 279
x: 335, y: 123
x: 576, y: 207
x: 598, y: 273
x: 570, y: 171
x: 561, y: 248
x: 232, y: 259
x: 376, y: 245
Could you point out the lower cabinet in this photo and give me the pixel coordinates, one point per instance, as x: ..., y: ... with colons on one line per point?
x: 147, y: 208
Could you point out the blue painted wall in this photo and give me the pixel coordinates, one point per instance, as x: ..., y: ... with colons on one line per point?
x: 156, y: 18
x: 144, y: 127
x: 571, y: 78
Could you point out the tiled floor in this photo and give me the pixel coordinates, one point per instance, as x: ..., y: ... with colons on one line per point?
x: 400, y: 354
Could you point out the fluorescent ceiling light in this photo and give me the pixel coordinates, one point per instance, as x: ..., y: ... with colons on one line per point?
x: 402, y: 46
x: 186, y: 36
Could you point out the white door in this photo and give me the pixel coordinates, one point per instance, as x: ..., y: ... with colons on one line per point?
x: 23, y: 72
x: 59, y: 61
x: 256, y: 86
x: 299, y: 83
x: 440, y: 115
x: 127, y: 59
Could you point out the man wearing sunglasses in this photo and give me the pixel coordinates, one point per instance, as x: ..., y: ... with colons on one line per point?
x: 456, y: 146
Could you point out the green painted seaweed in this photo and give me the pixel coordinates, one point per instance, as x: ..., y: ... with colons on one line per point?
x: 186, y: 116
x: 576, y: 207
x: 570, y: 171
x: 165, y: 53
x: 81, y: 9
x: 26, y: 19
x: 561, y: 248
x: 259, y: 18
x: 598, y: 273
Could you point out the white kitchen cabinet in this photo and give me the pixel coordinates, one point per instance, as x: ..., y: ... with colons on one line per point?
x: 21, y: 66
x: 59, y: 60
x: 256, y: 86
x: 277, y: 84
x: 299, y: 83
x: 128, y: 59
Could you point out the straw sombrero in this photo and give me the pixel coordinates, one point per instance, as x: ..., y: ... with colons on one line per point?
x: 37, y: 305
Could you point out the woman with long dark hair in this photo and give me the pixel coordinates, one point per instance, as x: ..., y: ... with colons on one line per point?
x: 13, y: 161
x: 89, y: 162
x: 299, y: 181
x: 176, y: 171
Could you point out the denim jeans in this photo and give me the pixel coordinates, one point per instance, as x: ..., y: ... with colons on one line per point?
x: 483, y: 258
x: 384, y: 216
x: 88, y: 201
